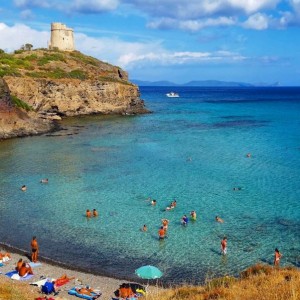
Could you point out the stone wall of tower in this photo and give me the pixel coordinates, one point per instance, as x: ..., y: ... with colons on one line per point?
x: 62, y: 37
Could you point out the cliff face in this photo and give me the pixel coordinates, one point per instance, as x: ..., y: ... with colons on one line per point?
x: 16, y: 122
x: 62, y: 83
x: 71, y: 97
x: 69, y: 83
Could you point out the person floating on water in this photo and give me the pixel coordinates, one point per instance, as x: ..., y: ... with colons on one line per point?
x: 172, y: 205
x: 193, y: 215
x: 248, y: 155
x: 184, y: 220
x: 218, y: 219
x: 45, y: 180
x: 88, y: 213
x: 277, y: 257
x: 237, y: 188
x: 161, y: 233
x: 95, y: 213
x: 144, y: 228
x: 23, y: 188
x: 224, y: 245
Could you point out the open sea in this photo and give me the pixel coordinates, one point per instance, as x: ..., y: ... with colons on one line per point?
x: 192, y: 149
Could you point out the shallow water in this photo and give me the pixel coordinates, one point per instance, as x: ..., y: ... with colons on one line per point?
x: 191, y: 148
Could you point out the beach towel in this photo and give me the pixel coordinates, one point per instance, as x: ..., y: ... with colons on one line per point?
x: 33, y: 264
x: 41, y: 282
x: 15, y: 275
x: 95, y: 295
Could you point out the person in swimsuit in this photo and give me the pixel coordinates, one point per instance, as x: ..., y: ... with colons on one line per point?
x: 153, y: 202
x: 165, y: 223
x: 23, y: 188
x: 184, y: 220
x: 193, y: 215
x: 88, y: 213
x: 34, y: 250
x: 85, y: 291
x: 224, y: 245
x: 218, y: 219
x: 19, y: 264
x: 25, y: 270
x: 144, y: 228
x: 277, y: 257
x: 45, y: 180
x: 161, y: 233
x: 95, y: 213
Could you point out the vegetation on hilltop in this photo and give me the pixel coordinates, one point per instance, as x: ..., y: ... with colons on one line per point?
x: 55, y: 64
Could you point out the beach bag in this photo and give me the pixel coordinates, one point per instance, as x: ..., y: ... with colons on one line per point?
x: 48, y: 288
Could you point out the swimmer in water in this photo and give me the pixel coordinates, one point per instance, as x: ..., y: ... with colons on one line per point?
x: 23, y: 188
x: 45, y: 180
x: 144, y: 228
x: 224, y: 245
x: 184, y: 220
x: 218, y: 219
x: 248, y: 155
x: 277, y: 257
x: 153, y: 202
x: 88, y: 214
x: 95, y: 213
x: 193, y: 215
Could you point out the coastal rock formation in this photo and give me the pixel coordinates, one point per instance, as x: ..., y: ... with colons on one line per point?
x: 72, y: 97
x: 71, y: 84
x: 15, y: 121
x: 56, y: 83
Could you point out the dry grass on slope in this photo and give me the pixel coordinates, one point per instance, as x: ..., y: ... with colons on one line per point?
x: 15, y: 290
x: 258, y: 282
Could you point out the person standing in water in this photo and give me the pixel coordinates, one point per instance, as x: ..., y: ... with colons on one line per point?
x: 277, y: 257
x: 224, y: 245
x: 34, y: 249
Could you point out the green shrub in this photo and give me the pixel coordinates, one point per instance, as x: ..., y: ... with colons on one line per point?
x: 78, y: 74
x: 19, y: 103
x: 50, y: 57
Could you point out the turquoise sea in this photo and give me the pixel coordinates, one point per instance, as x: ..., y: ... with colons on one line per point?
x: 191, y: 148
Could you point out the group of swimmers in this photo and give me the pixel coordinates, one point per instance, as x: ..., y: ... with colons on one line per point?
x: 90, y: 214
x: 24, y: 187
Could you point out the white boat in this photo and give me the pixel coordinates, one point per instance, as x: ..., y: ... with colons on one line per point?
x: 172, y: 95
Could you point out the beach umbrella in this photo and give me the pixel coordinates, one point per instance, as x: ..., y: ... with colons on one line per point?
x: 148, y: 272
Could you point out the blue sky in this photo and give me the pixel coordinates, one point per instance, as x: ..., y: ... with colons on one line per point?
x: 255, y: 41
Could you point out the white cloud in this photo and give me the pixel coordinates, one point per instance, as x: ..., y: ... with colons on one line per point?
x: 257, y: 21
x: 12, y: 38
x: 94, y: 6
x: 26, y: 14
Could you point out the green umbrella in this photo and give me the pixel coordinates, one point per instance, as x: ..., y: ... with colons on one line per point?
x: 148, y: 272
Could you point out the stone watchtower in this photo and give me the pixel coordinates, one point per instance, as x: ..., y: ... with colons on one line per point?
x: 62, y: 37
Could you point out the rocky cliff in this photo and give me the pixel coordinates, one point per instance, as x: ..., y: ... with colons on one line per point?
x: 16, y: 122
x: 68, y: 84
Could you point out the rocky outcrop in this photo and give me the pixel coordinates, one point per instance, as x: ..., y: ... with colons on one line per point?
x: 72, y: 97
x: 16, y: 122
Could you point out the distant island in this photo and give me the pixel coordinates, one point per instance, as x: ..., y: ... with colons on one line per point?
x: 203, y: 83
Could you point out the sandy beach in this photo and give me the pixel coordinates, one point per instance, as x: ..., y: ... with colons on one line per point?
x: 106, y: 285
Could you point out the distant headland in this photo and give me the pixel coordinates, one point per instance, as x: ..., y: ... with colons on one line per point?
x: 47, y: 84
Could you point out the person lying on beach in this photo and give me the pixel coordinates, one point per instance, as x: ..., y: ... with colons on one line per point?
x: 218, y: 219
x: 4, y: 257
x: 85, y: 291
x: 25, y: 270
x: 63, y: 280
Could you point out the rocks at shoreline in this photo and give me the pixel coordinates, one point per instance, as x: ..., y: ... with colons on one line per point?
x: 16, y: 122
